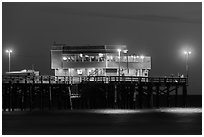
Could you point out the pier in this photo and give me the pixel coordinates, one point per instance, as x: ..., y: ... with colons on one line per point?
x: 25, y: 93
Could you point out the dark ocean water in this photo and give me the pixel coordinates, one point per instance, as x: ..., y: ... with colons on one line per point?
x: 164, y: 121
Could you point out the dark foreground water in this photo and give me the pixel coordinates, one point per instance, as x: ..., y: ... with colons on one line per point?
x: 166, y: 121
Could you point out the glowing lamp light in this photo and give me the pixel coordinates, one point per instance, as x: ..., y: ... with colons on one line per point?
x: 64, y: 58
x: 79, y: 72
x: 9, y: 51
x: 119, y: 50
x: 125, y: 51
x: 142, y: 57
x: 187, y: 52
x: 100, y: 55
x: 81, y: 55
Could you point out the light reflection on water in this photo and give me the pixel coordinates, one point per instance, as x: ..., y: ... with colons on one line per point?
x: 182, y: 110
x: 162, y: 121
x: 116, y: 111
x: 130, y: 111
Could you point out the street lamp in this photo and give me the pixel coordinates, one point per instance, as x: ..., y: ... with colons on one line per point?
x: 119, y: 50
x: 64, y: 58
x: 142, y: 57
x: 126, y: 51
x: 187, y: 53
x: 9, y: 51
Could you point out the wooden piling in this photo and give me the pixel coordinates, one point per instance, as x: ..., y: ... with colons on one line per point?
x: 50, y: 94
x: 12, y: 96
x: 106, y: 94
x: 9, y: 96
x: 50, y: 97
x: 157, y: 95
x: 184, y: 95
x: 134, y: 97
x: 4, y: 90
x: 176, y: 95
x: 59, y: 96
x: 23, y: 88
x: 30, y: 96
x: 149, y: 94
x: 167, y: 95
x: 33, y: 91
x: 25, y: 94
x: 70, y: 97
x: 41, y: 94
x: 140, y: 90
x: 115, y: 95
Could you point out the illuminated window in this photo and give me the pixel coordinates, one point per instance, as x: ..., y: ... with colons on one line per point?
x: 109, y: 58
x: 101, y: 59
x: 93, y: 58
x: 79, y: 71
x: 64, y: 58
x: 86, y: 58
x: 100, y: 55
x: 79, y: 58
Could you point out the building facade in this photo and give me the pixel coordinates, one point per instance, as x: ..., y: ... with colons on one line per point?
x: 102, y: 60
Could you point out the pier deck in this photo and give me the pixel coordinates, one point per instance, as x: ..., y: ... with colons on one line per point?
x: 126, y: 92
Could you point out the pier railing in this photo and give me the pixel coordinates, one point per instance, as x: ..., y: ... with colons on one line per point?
x: 79, y: 79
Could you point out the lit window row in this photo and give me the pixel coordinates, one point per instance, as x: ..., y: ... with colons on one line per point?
x: 101, y: 58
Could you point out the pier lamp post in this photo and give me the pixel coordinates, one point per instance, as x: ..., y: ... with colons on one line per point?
x: 119, y: 50
x: 126, y: 51
x: 64, y: 59
x: 142, y: 57
x: 9, y: 51
x: 187, y: 53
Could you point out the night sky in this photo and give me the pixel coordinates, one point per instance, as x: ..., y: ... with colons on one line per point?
x: 160, y: 30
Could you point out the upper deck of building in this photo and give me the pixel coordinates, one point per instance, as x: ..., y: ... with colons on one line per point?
x: 96, y: 56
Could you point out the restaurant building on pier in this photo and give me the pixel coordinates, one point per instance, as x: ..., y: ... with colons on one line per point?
x: 98, y: 60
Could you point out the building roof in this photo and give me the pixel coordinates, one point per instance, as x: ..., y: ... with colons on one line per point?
x: 89, y: 49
